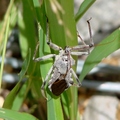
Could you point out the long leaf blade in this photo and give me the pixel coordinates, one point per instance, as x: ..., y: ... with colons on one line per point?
x: 13, y: 115
x: 105, y: 48
x: 83, y: 8
x: 9, y: 101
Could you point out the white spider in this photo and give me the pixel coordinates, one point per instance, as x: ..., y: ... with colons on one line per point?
x: 61, y: 72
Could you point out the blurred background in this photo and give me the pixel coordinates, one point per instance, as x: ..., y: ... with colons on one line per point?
x: 101, y: 87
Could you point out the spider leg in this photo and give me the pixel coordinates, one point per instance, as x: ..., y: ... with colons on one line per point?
x: 45, y: 81
x: 84, y: 46
x: 79, y: 53
x: 44, y: 57
x: 90, y: 32
x: 41, y: 58
x: 81, y: 47
x: 52, y: 45
x: 83, y: 42
x: 78, y: 81
x: 36, y: 49
x: 81, y: 38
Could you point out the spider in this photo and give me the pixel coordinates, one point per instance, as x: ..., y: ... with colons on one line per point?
x: 61, y: 73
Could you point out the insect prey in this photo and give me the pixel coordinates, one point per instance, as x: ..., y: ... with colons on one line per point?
x: 60, y: 76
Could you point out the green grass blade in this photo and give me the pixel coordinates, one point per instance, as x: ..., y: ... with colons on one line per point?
x: 4, y: 50
x: 4, y: 33
x: 27, y: 29
x: 70, y: 96
x: 11, y: 98
x: 6, y: 20
x: 105, y: 48
x: 66, y: 102
x: 53, y: 105
x: 63, y: 32
x: 19, y: 98
x: 83, y: 8
x: 40, y: 13
x: 13, y: 115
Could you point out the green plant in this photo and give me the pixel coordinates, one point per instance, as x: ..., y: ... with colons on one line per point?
x: 62, y: 24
